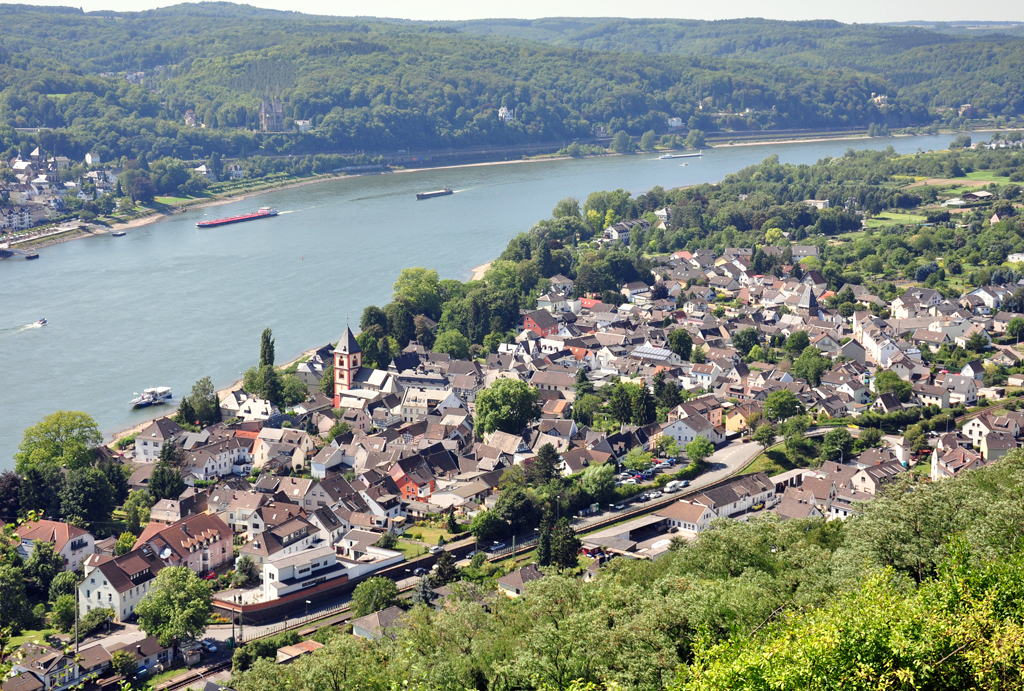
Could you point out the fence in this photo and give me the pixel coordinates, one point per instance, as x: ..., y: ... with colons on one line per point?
x: 271, y: 629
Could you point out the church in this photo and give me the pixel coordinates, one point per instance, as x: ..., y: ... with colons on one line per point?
x: 366, y: 383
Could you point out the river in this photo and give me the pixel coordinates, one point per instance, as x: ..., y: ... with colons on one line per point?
x: 170, y: 303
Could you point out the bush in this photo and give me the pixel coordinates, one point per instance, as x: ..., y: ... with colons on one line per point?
x: 245, y: 656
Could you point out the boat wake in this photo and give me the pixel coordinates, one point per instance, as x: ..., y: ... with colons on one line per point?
x: 14, y: 330
x: 465, y: 190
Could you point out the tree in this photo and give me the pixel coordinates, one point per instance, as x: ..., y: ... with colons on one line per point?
x: 565, y: 546
x: 544, y: 540
x: 423, y: 594
x: 387, y: 541
x: 745, y: 340
x: 584, y: 407
x: 542, y: 469
x: 246, y: 573
x: 694, y: 140
x: 446, y: 571
x: 977, y: 342
x: 453, y: 343
x: 185, y: 415
x: 488, y: 525
x: 63, y: 614
x: 373, y: 316
x: 373, y: 595
x: 765, y: 435
x: 64, y: 583
x: 1015, y: 329
x: 203, y: 399
x: 621, y: 142
x: 122, y: 663
x: 450, y: 525
x: 10, y: 490
x: 782, y: 404
x: 136, y: 510
x: 699, y: 449
x: 797, y: 342
x: 420, y: 287
x: 43, y: 564
x: 870, y: 437
x: 598, y: 481
x: 507, y: 406
x: 837, y: 444
x: 86, y: 498
x: 40, y: 490
x: 698, y: 355
x: 888, y: 381
x: 62, y: 439
x: 583, y: 385
x: 636, y: 459
x: 125, y: 542
x: 515, y: 506
x: 15, y: 611
x: 267, y: 348
x: 176, y: 608
x: 642, y: 408
x: 648, y: 141
x: 681, y: 343
x: 327, y: 381
x: 165, y: 482
x: 811, y: 365
x: 620, y: 402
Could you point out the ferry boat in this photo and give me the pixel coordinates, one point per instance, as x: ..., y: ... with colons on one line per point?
x: 437, y: 193
x: 157, y: 395
x: 264, y: 212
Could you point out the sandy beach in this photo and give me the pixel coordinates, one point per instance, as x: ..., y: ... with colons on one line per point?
x: 478, y: 272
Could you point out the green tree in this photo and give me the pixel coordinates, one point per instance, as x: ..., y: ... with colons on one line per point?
x: 373, y: 595
x: 63, y: 614
x: 695, y: 140
x: 782, y: 404
x: 598, y: 481
x: 40, y: 490
x: 62, y: 439
x: 86, y: 498
x: 765, y: 435
x: 64, y: 583
x: 125, y: 542
x: 136, y: 509
x: 698, y: 355
x: 423, y: 594
x: 293, y: 390
x: 870, y: 437
x: 837, y: 444
x: 453, y: 343
x: 978, y: 342
x: 43, y: 564
x: 699, y: 449
x: 642, y: 407
x: 637, y: 459
x: 267, y: 348
x: 681, y: 343
x: 421, y: 288
x: 488, y: 525
x: 177, y: 607
x: 567, y: 207
x: 165, y: 482
x: 387, y: 541
x: 446, y: 571
x: 621, y: 143
x: 123, y: 664
x: 797, y: 342
x: 890, y: 382
x: 583, y: 385
x: 542, y: 468
x: 516, y: 507
x: 648, y: 141
x: 327, y: 379
x: 811, y: 365
x: 584, y: 407
x: 246, y: 573
x: 745, y: 340
x: 565, y: 546
x: 1015, y: 329
x: 544, y: 542
x: 15, y: 611
x: 205, y: 406
x: 507, y: 406
x: 450, y: 525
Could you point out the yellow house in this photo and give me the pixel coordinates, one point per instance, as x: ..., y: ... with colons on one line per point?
x: 738, y: 419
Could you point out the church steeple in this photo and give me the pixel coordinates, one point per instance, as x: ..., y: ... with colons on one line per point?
x: 348, y: 359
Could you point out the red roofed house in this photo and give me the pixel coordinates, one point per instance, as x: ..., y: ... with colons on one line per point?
x: 74, y: 544
x: 202, y: 542
x: 541, y: 322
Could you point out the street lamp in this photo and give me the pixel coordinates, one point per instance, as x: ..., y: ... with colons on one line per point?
x: 307, y: 608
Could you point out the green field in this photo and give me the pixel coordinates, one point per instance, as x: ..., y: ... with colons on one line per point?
x: 172, y: 200
x: 889, y: 218
x: 988, y: 176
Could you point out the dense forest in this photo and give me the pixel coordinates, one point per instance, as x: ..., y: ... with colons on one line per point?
x: 924, y: 590
x: 376, y: 86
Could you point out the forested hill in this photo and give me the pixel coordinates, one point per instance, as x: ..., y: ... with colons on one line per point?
x: 122, y: 84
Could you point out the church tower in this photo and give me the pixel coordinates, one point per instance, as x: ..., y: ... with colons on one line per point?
x: 348, y: 358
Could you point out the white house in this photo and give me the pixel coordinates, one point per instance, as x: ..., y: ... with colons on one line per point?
x: 70, y: 542
x: 118, y: 583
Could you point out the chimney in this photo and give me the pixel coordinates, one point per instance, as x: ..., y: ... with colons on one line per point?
x: 138, y: 650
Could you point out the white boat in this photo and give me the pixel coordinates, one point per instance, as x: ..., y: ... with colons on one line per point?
x: 155, y: 396
x: 42, y: 322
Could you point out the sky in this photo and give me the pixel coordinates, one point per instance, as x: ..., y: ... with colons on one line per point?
x: 864, y: 11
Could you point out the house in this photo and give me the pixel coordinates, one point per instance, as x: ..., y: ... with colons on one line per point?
x: 289, y: 653
x: 42, y: 668
x: 150, y: 440
x: 947, y: 463
x: 995, y: 445
x: 147, y: 654
x: 202, y: 542
x: 871, y: 479
x: 689, y: 517
x: 738, y: 495
x: 886, y: 403
x: 286, y: 574
x: 375, y: 625
x: 540, y: 322
x: 931, y: 395
x: 118, y: 583
x: 961, y: 389
x: 514, y: 584
x: 72, y: 543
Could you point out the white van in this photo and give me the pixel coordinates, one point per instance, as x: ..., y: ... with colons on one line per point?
x: 673, y: 486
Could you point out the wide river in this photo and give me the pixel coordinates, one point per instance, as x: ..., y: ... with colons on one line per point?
x: 170, y: 303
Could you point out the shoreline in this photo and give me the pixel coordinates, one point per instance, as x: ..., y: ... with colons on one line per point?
x: 156, y: 216
x: 478, y: 272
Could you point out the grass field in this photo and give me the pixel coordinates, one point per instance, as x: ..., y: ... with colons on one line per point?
x: 988, y: 176
x: 172, y: 200
x: 430, y: 535
x: 889, y: 218
x: 772, y: 463
x: 35, y: 636
x: 411, y: 550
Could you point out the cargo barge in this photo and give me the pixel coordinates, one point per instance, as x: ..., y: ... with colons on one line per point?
x: 264, y: 212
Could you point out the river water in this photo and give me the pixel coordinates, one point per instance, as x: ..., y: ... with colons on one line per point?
x: 170, y: 303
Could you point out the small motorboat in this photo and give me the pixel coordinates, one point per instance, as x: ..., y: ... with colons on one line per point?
x: 118, y: 233
x: 42, y: 322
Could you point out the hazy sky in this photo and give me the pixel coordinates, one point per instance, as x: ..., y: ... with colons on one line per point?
x: 845, y: 11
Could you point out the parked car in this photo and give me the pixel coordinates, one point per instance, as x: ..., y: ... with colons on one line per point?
x: 210, y: 646
x: 619, y: 507
x: 673, y: 486
x: 655, y: 494
x: 500, y: 545
x: 684, y: 483
x: 209, y: 576
x: 419, y: 571
x: 436, y: 548
x: 629, y: 481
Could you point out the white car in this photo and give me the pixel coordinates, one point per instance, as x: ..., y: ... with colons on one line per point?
x: 654, y: 495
